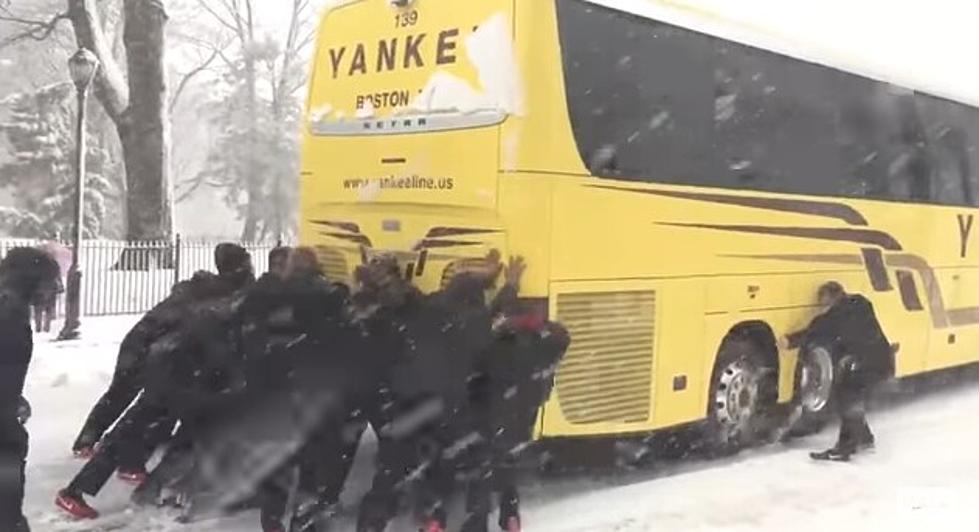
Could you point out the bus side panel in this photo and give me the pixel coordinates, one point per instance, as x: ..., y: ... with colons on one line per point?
x: 525, y: 211
x: 957, y: 344
x: 682, y: 378
x: 540, y: 139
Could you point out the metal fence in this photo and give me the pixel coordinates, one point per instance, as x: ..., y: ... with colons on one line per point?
x: 120, y: 277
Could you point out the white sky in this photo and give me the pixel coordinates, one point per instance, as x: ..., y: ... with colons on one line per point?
x: 274, y: 14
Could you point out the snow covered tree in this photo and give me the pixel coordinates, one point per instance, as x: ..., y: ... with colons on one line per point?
x: 134, y: 99
x: 254, y: 159
x: 255, y: 113
x: 40, y: 173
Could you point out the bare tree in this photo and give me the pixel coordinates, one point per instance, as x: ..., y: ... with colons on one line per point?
x: 270, y: 68
x: 136, y: 103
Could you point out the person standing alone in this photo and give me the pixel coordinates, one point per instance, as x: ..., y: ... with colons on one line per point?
x: 46, y: 307
x: 26, y: 275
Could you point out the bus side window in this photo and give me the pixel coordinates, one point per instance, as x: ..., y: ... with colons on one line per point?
x: 655, y: 102
x: 775, y: 122
x: 915, y: 156
x: 639, y: 95
x: 945, y: 124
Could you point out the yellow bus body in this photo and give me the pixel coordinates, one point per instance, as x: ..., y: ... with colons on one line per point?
x: 649, y: 278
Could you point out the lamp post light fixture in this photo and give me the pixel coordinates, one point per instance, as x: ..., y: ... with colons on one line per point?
x: 82, y: 66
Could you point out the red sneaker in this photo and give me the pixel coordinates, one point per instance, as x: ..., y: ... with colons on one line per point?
x: 513, y: 524
x: 272, y: 525
x: 75, y: 505
x: 135, y: 476
x: 84, y: 453
x: 433, y: 525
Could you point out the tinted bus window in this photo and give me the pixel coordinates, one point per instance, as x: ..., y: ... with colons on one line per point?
x: 641, y: 95
x: 656, y: 102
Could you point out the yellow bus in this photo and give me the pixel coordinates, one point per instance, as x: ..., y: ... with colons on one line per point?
x: 679, y: 183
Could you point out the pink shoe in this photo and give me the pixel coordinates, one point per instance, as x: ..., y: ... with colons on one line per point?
x: 75, y: 505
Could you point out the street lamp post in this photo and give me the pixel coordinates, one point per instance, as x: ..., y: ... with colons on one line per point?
x: 82, y: 66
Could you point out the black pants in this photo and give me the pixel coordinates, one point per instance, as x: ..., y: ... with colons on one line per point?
x: 494, y: 466
x: 125, y: 445
x: 396, y: 462
x: 324, y: 463
x: 436, y: 458
x: 124, y: 388
x: 13, y: 453
x: 853, y: 390
x: 854, y: 429
x: 44, y: 313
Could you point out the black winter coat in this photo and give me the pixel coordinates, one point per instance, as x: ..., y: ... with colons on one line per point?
x: 16, y: 345
x: 441, y: 342
x: 515, y: 379
x: 435, y: 342
x: 166, y: 316
x: 191, y: 356
x: 273, y: 314
x: 850, y: 329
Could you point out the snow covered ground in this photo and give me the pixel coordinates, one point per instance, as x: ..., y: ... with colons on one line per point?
x: 925, y: 473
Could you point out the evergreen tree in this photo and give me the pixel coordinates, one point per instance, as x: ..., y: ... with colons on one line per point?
x: 254, y: 158
x: 40, y: 174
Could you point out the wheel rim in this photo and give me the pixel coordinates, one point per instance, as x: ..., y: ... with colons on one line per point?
x: 736, y: 398
x: 817, y: 379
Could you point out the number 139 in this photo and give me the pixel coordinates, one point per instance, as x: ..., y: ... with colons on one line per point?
x: 403, y: 20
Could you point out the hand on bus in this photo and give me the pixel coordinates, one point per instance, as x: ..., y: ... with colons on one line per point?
x: 514, y: 270
x: 784, y: 344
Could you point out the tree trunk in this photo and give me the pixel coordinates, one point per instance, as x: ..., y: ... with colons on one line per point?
x: 138, y: 109
x: 145, y: 131
x: 253, y: 180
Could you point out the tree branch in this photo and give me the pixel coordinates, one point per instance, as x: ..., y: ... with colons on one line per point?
x: 190, y: 76
x: 38, y: 30
x: 110, y: 86
x: 221, y: 20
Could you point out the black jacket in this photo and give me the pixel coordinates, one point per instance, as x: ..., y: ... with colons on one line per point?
x: 274, y: 314
x: 167, y: 315
x: 515, y: 378
x: 435, y: 341
x: 16, y: 345
x: 190, y: 354
x: 850, y: 329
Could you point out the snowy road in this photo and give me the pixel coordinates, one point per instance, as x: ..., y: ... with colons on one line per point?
x: 925, y: 473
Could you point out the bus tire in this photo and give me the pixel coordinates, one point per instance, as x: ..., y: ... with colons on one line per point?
x: 738, y: 393
x: 814, y: 381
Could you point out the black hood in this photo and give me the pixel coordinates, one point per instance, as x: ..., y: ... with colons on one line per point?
x: 23, y: 271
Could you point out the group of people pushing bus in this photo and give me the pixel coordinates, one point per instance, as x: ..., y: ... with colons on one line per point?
x: 260, y: 390
x: 273, y: 380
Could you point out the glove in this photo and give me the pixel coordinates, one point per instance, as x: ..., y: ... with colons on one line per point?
x: 850, y: 364
x: 23, y: 411
x: 850, y: 372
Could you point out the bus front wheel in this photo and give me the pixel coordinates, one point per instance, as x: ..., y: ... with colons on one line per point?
x: 740, y: 392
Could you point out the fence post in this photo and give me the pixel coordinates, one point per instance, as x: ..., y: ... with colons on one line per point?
x: 176, y: 259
